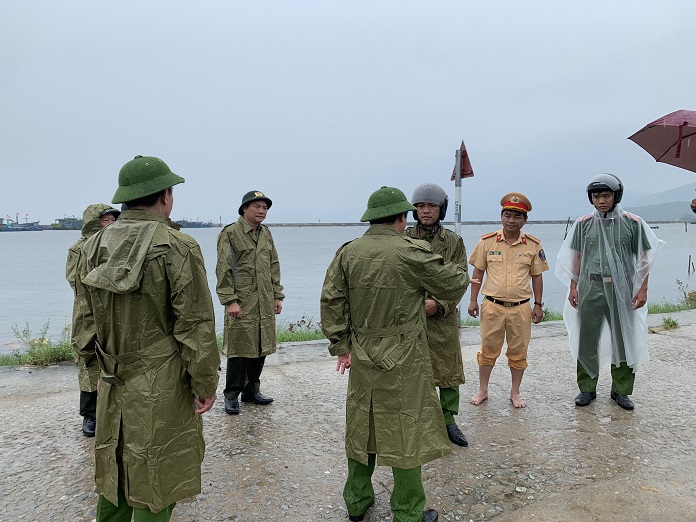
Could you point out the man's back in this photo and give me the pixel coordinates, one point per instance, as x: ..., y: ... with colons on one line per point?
x: 387, y: 275
x: 146, y: 299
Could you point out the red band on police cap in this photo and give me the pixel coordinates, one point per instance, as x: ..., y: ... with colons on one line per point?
x: 516, y: 206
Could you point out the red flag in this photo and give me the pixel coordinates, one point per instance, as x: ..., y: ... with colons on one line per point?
x: 466, y: 169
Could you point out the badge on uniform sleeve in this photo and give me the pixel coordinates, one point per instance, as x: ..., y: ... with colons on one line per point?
x: 542, y: 256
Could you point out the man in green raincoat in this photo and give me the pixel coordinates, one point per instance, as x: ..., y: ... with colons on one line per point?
x: 94, y: 218
x: 145, y: 312
x: 372, y: 313
x: 248, y: 286
x: 442, y: 324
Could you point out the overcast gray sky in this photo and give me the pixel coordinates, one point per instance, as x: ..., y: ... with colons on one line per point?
x: 318, y: 103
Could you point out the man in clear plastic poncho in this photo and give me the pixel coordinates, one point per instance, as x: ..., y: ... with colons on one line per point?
x: 605, y: 261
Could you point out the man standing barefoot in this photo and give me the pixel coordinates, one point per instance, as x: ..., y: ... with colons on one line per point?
x: 509, y: 259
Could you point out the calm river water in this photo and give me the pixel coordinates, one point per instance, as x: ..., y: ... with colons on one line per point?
x: 33, y: 287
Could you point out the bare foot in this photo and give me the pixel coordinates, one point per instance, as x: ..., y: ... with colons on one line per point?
x: 479, y: 398
x: 517, y: 401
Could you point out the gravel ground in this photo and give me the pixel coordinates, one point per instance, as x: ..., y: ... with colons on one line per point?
x: 550, y: 461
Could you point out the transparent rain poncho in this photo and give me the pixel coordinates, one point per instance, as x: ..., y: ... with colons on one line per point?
x: 609, y: 257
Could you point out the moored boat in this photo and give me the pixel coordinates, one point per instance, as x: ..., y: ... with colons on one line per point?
x: 8, y: 224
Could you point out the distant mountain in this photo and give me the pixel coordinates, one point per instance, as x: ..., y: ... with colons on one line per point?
x: 672, y: 211
x: 683, y: 193
x: 669, y: 205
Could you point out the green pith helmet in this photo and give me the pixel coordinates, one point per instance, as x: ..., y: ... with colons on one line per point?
x: 142, y: 176
x: 385, y: 202
x: 254, y: 195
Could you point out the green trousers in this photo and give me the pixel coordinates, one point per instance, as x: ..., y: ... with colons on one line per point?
x: 449, y: 400
x: 407, y: 499
x: 622, y: 379
x: 598, y: 304
x: 107, y: 512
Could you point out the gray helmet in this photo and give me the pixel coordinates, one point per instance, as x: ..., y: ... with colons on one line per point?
x: 430, y: 193
x: 606, y: 182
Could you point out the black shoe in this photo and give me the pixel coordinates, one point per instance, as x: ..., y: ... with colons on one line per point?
x: 456, y: 436
x: 89, y: 426
x: 429, y: 515
x: 622, y: 400
x: 256, y: 398
x: 231, y: 406
x: 359, y: 518
x: 585, y: 398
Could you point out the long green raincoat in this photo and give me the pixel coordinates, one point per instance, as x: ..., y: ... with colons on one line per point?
x: 87, y: 370
x: 372, y: 306
x: 248, y: 272
x: 442, y: 328
x: 145, y: 301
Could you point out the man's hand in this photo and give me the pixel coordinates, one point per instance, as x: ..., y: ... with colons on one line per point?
x: 573, y: 297
x: 430, y: 307
x: 537, y: 314
x: 278, y: 306
x: 343, y: 363
x: 204, y: 404
x: 234, y: 310
x: 640, y: 298
x: 473, y: 309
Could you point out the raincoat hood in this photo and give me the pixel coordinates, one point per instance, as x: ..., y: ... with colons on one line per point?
x: 124, y: 246
x: 90, y: 219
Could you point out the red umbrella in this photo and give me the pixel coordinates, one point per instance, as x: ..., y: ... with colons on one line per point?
x: 669, y: 139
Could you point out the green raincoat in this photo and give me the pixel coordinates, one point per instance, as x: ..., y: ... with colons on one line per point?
x: 87, y: 370
x: 372, y: 307
x: 144, y: 299
x: 443, y: 330
x: 248, y: 272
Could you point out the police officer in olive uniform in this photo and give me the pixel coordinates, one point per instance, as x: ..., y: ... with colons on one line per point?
x: 431, y: 201
x: 373, y: 315
x: 509, y: 258
x: 94, y: 218
x: 605, y: 261
x: 248, y: 286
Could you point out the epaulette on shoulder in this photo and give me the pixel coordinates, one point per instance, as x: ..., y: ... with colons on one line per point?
x: 533, y: 239
x: 632, y: 216
x: 344, y: 245
x: 486, y: 236
x: 420, y: 243
x: 585, y: 217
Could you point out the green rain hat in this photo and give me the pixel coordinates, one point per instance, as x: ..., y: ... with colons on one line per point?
x: 387, y: 201
x: 254, y: 195
x: 142, y: 176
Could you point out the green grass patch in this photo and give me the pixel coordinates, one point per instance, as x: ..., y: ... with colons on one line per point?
x: 39, y: 350
x: 668, y: 323
x: 666, y: 308
x: 305, y: 329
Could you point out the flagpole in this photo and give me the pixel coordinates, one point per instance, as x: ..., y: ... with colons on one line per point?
x: 458, y: 210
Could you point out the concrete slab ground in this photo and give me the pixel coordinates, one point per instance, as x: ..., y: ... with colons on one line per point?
x: 550, y: 461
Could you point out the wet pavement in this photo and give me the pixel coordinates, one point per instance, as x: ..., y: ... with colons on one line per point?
x: 550, y: 461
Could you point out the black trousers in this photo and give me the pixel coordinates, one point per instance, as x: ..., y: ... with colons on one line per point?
x: 88, y: 404
x: 243, y: 375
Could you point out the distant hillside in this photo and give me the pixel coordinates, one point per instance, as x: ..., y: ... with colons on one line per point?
x: 683, y: 193
x: 670, y: 205
x: 672, y: 211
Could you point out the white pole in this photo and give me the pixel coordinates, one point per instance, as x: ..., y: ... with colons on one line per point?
x: 458, y: 210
